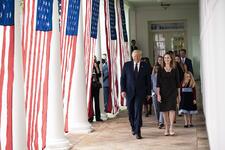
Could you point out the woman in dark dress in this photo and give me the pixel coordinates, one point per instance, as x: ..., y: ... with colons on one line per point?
x: 167, y: 92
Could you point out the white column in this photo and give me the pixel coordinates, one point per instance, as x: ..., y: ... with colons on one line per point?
x: 55, y: 123
x: 78, y: 116
x: 19, y: 123
x: 98, y: 53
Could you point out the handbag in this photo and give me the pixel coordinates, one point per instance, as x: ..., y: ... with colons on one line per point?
x: 96, y: 85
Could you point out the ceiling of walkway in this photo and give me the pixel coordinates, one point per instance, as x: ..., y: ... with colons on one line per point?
x: 158, y: 2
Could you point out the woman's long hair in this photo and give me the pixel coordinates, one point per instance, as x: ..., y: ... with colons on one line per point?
x: 191, y: 82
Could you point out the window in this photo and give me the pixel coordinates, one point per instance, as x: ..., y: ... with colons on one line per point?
x: 159, y: 44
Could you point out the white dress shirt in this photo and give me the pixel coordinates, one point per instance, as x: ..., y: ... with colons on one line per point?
x: 138, y: 65
x: 183, y: 60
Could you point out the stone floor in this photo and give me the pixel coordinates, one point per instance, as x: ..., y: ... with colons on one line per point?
x: 114, y: 134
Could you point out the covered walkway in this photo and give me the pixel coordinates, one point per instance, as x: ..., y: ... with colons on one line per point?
x: 114, y: 134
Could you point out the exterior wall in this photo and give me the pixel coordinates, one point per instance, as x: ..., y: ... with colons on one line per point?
x: 212, y: 69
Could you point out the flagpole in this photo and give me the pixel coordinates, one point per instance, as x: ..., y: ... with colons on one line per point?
x: 78, y: 116
x: 19, y: 122
x: 56, y: 138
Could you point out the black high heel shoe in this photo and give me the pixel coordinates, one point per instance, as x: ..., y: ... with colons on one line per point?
x: 185, y: 126
x: 191, y: 125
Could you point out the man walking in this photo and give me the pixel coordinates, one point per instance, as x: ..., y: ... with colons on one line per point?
x: 186, y: 60
x: 135, y: 87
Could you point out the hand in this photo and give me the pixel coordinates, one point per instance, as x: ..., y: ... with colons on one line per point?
x: 194, y: 101
x: 178, y: 99
x: 159, y: 98
x: 95, y: 64
x: 148, y: 97
x: 124, y: 94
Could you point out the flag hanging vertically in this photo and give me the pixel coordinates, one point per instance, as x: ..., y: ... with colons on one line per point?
x: 124, y: 55
x: 37, y: 33
x: 69, y: 30
x: 112, y: 50
x: 6, y: 72
x: 91, y: 27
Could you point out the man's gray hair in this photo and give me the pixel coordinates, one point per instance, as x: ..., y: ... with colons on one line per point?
x: 137, y: 51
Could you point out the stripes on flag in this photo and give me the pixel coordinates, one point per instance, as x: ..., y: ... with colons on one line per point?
x: 90, y: 36
x: 6, y: 72
x: 123, y: 39
x: 69, y: 30
x: 36, y: 39
x: 111, y: 40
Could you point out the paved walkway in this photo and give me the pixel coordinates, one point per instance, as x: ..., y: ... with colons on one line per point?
x: 114, y: 134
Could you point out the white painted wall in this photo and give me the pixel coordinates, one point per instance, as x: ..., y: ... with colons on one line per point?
x: 132, y: 23
x: 212, y: 69
x: 142, y: 15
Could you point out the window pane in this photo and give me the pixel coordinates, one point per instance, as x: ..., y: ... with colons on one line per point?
x: 161, y: 37
x: 156, y: 37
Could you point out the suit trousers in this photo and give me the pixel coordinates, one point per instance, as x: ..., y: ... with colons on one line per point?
x: 134, y: 107
x: 95, y: 97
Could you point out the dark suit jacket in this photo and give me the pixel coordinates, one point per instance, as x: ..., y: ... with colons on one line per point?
x: 189, y: 65
x: 141, y: 86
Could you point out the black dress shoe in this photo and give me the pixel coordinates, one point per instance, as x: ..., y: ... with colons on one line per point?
x: 161, y: 126
x: 138, y: 136
x: 146, y: 115
x: 133, y: 133
x: 99, y: 120
x: 90, y: 119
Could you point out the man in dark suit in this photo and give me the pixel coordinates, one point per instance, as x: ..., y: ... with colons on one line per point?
x: 186, y: 60
x: 135, y: 87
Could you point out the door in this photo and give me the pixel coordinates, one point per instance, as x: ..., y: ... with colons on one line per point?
x: 167, y: 37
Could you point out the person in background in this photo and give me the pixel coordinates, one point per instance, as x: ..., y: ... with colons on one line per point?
x: 133, y: 46
x: 186, y: 60
x: 167, y: 91
x: 135, y: 87
x: 105, y: 74
x: 158, y: 114
x: 147, y: 103
x: 181, y: 67
x: 160, y: 61
x: 95, y: 87
x: 188, y: 104
x: 172, y: 54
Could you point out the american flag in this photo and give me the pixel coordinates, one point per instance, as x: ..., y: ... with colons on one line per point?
x: 69, y: 29
x: 123, y: 39
x: 112, y: 50
x: 91, y: 27
x: 6, y: 72
x: 36, y: 39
